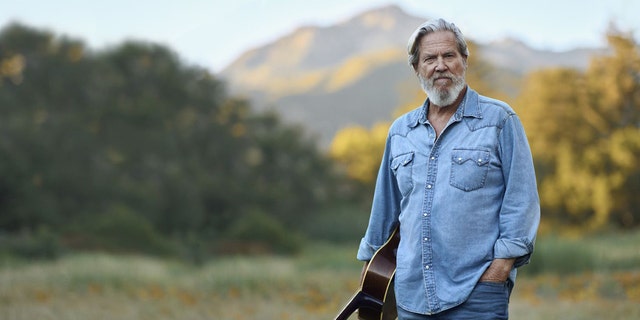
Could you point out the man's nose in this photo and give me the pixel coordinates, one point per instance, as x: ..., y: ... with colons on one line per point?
x: 440, y: 65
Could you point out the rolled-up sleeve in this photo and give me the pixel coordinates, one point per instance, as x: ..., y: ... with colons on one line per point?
x: 520, y: 211
x: 384, y: 210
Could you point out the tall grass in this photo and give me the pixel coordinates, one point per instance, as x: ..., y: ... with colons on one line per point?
x: 600, y: 253
x: 595, y: 278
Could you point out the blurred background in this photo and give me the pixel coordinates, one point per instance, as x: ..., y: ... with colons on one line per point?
x: 216, y: 159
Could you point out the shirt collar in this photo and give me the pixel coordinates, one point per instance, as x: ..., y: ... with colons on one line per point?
x: 469, y: 107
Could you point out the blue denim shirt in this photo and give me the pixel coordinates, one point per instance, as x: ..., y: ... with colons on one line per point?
x: 462, y: 200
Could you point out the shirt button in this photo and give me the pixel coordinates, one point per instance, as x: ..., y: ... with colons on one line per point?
x: 425, y: 214
x: 433, y: 158
x: 427, y: 267
x: 426, y: 239
x: 428, y: 186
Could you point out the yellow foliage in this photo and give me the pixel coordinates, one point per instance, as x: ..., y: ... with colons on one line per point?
x: 280, y: 83
x: 238, y: 130
x: 583, y: 131
x: 359, y: 150
x: 75, y: 53
x: 277, y: 74
x: 12, y: 68
x: 625, y: 148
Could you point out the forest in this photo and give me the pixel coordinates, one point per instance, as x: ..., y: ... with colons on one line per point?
x: 130, y: 150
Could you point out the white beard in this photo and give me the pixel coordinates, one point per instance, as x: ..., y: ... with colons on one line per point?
x: 443, y: 97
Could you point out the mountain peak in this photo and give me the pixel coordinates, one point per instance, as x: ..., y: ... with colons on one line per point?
x: 381, y: 14
x: 510, y: 41
x: 310, y: 48
x: 355, y: 71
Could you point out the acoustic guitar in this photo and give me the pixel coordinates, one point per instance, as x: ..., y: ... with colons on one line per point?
x: 375, y: 299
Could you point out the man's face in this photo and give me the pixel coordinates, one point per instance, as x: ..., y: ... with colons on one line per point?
x: 441, y: 68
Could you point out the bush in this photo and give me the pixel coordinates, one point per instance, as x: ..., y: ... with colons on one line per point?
x: 342, y: 223
x: 258, y: 232
x: 561, y: 256
x: 119, y: 230
x: 41, y: 244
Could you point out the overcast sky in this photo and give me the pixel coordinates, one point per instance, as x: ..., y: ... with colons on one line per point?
x: 212, y: 33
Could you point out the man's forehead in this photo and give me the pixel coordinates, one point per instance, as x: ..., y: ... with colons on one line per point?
x: 440, y: 41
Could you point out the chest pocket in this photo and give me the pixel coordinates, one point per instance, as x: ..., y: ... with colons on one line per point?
x: 469, y: 169
x: 402, y: 166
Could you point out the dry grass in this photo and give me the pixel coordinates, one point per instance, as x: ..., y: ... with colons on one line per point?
x: 312, y: 286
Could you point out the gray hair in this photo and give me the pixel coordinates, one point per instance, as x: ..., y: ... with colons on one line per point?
x: 431, y: 26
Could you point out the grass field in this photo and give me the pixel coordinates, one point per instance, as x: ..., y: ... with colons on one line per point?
x: 313, y: 285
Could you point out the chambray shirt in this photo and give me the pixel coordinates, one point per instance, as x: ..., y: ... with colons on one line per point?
x: 462, y: 200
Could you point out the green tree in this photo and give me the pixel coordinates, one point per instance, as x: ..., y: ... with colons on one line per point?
x: 87, y: 136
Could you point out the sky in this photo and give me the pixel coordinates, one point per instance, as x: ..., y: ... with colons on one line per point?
x: 213, y: 33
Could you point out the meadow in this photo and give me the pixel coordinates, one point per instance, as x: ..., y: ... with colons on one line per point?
x: 591, y: 278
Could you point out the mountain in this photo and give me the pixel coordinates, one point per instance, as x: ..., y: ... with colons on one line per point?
x: 515, y: 55
x: 356, y: 72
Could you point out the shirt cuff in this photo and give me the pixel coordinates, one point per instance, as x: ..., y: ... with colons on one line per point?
x: 520, y: 249
x: 365, y: 251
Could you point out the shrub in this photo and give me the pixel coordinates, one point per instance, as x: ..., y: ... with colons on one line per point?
x: 41, y: 244
x: 258, y: 232
x: 561, y: 256
x: 119, y: 230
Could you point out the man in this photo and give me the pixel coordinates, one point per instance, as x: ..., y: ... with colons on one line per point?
x: 457, y: 177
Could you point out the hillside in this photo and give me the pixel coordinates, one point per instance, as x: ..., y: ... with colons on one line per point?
x: 355, y: 72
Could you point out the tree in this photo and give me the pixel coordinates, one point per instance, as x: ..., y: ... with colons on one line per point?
x: 585, y: 137
x: 360, y: 150
x: 132, y: 135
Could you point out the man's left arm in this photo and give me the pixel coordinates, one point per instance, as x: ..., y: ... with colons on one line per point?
x: 520, y: 211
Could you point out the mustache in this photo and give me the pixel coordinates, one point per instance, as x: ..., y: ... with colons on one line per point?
x: 445, y: 75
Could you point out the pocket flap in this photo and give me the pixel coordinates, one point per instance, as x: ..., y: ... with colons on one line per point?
x: 401, y: 160
x: 479, y: 157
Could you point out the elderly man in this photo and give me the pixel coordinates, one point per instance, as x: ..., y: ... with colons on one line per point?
x: 457, y: 177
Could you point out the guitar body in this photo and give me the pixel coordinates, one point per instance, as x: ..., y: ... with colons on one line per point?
x: 375, y: 299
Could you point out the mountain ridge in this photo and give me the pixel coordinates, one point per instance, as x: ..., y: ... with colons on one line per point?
x: 355, y: 72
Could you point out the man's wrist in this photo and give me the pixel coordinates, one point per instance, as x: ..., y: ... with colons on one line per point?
x: 498, y: 271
